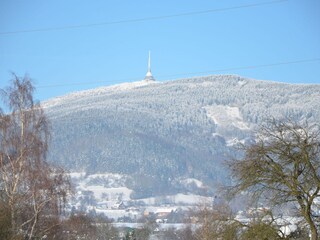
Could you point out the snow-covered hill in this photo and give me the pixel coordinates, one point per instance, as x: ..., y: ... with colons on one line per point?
x: 161, y: 135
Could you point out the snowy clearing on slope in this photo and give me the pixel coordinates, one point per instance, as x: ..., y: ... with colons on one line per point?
x: 226, y: 116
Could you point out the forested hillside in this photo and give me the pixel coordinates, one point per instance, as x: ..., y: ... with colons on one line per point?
x: 159, y: 134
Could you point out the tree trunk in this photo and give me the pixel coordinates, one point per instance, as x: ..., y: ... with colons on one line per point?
x: 313, y: 229
x: 312, y: 225
x: 13, y: 217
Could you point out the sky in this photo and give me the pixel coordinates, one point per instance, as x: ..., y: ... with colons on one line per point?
x: 67, y: 46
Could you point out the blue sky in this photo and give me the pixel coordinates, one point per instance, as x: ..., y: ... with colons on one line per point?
x: 232, y: 35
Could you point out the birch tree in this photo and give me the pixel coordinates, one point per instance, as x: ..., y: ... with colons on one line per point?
x: 32, y: 191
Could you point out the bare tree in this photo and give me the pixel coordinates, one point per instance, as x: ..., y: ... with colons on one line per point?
x: 216, y: 222
x: 219, y: 222
x: 283, y: 166
x: 79, y: 227
x: 31, y: 189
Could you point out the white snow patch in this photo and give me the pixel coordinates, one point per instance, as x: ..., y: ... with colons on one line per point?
x: 242, y: 83
x: 160, y: 209
x: 181, y: 199
x: 188, y: 181
x: 226, y: 116
x: 234, y: 142
x: 115, y: 214
x: 129, y: 86
x: 288, y: 229
x: 192, y: 199
x: 100, y: 191
x: 77, y: 175
x: 103, y: 186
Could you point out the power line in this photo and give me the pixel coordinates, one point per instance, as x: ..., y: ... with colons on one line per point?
x: 189, y: 73
x: 249, y: 67
x: 135, y: 20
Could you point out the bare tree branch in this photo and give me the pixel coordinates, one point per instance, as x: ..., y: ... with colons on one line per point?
x: 285, y: 163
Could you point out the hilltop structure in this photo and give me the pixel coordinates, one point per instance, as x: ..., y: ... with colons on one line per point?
x: 149, y: 76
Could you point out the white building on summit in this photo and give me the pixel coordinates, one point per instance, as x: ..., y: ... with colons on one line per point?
x: 149, y: 76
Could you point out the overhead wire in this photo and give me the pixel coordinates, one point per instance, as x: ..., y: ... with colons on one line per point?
x: 118, y: 81
x: 144, y: 19
x: 64, y: 118
x: 159, y: 18
x: 249, y: 67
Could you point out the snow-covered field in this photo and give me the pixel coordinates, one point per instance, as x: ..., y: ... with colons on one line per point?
x: 107, y: 194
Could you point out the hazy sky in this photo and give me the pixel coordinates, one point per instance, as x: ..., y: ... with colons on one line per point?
x: 111, y: 41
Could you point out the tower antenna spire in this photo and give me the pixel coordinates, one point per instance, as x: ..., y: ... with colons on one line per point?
x: 149, y: 76
x: 149, y: 62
